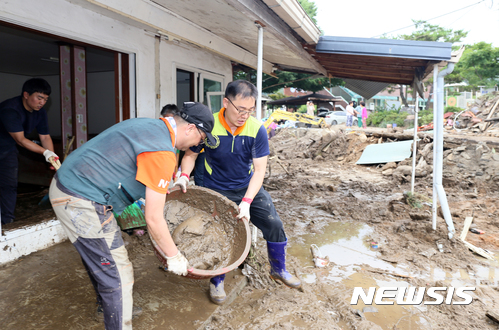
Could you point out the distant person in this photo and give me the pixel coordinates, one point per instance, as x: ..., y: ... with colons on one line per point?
x: 19, y: 116
x: 363, y: 114
x: 350, y: 113
x: 310, y: 108
x: 169, y: 110
x: 358, y: 112
x: 272, y: 126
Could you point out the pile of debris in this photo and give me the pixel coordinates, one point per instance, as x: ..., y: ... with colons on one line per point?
x: 482, y: 117
x: 468, y: 163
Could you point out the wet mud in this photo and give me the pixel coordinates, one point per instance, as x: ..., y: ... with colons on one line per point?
x: 199, y: 235
x: 323, y: 198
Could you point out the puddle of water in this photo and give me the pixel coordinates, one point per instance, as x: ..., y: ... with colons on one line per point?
x: 387, y: 316
x: 347, y: 244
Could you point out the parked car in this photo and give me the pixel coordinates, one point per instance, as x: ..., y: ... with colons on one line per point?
x: 321, y: 112
x: 338, y: 117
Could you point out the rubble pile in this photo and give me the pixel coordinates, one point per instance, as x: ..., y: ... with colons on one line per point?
x: 482, y: 117
x: 468, y: 163
x: 317, y: 144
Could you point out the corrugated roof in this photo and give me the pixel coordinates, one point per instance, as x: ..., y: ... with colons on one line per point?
x: 421, y: 50
x: 369, y: 65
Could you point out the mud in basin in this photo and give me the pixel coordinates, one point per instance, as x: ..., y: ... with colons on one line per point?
x: 205, y: 229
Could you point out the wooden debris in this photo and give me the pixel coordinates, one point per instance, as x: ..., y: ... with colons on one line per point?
x: 477, y: 250
x: 493, y: 316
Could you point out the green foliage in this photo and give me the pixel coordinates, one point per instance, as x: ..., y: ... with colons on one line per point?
x: 381, y: 117
x: 276, y: 96
x: 479, y: 66
x: 428, y: 32
x: 452, y: 109
x: 425, y: 117
x: 302, y: 81
x: 302, y: 108
x: 310, y: 8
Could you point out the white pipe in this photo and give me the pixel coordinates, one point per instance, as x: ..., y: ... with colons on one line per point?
x: 259, y: 73
x: 414, y: 144
x: 439, y: 140
x: 435, y: 195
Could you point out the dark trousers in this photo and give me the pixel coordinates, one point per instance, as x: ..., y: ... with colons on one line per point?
x: 199, y: 170
x: 262, y: 213
x: 8, y: 184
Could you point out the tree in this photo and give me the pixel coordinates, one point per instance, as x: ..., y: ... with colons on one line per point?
x: 310, y: 9
x: 307, y: 82
x: 429, y: 32
x: 479, y: 66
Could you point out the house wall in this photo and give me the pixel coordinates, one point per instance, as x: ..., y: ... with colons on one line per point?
x: 123, y: 35
x: 190, y: 58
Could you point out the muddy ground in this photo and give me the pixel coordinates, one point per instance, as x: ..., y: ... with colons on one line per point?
x: 323, y: 198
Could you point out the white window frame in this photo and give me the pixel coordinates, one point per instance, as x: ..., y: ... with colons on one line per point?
x: 205, y: 75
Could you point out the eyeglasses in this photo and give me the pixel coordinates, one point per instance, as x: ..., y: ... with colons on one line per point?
x: 241, y: 112
x: 202, y: 138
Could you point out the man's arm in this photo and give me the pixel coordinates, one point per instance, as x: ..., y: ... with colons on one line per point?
x: 156, y: 224
x: 256, y: 181
x: 46, y: 141
x: 28, y: 144
x: 188, y: 161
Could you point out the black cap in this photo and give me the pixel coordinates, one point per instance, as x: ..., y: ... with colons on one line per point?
x: 200, y: 115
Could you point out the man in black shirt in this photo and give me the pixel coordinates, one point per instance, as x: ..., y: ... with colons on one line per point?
x: 20, y: 115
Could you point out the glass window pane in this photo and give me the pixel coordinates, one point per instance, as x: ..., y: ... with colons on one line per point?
x: 212, y: 86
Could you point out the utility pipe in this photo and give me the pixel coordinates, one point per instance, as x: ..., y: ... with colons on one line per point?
x: 254, y: 233
x: 414, y: 144
x: 259, y: 72
x: 438, y: 147
x: 435, y: 195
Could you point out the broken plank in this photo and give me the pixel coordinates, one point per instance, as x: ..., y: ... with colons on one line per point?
x: 478, y: 250
x: 493, y: 316
x: 466, y: 227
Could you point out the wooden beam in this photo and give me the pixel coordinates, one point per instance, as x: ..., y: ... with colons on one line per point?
x: 390, y: 80
x: 368, y: 66
x: 371, y: 72
x: 372, y: 59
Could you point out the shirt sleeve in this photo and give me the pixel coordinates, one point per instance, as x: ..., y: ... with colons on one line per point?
x: 43, y: 126
x: 155, y: 169
x: 197, y: 149
x: 261, y: 145
x: 11, y: 120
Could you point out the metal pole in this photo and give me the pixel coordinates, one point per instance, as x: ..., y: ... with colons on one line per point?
x: 414, y: 144
x: 438, y: 144
x: 259, y: 73
x: 435, y: 196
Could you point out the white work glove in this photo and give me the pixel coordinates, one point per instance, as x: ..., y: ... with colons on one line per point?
x: 47, y: 153
x: 244, y: 210
x: 183, y: 181
x: 178, y: 264
x: 52, y: 158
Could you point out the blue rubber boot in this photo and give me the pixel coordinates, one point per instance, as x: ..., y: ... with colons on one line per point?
x: 277, y: 259
x: 217, y: 292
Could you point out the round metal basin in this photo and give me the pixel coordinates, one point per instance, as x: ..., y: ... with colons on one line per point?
x: 225, y: 210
